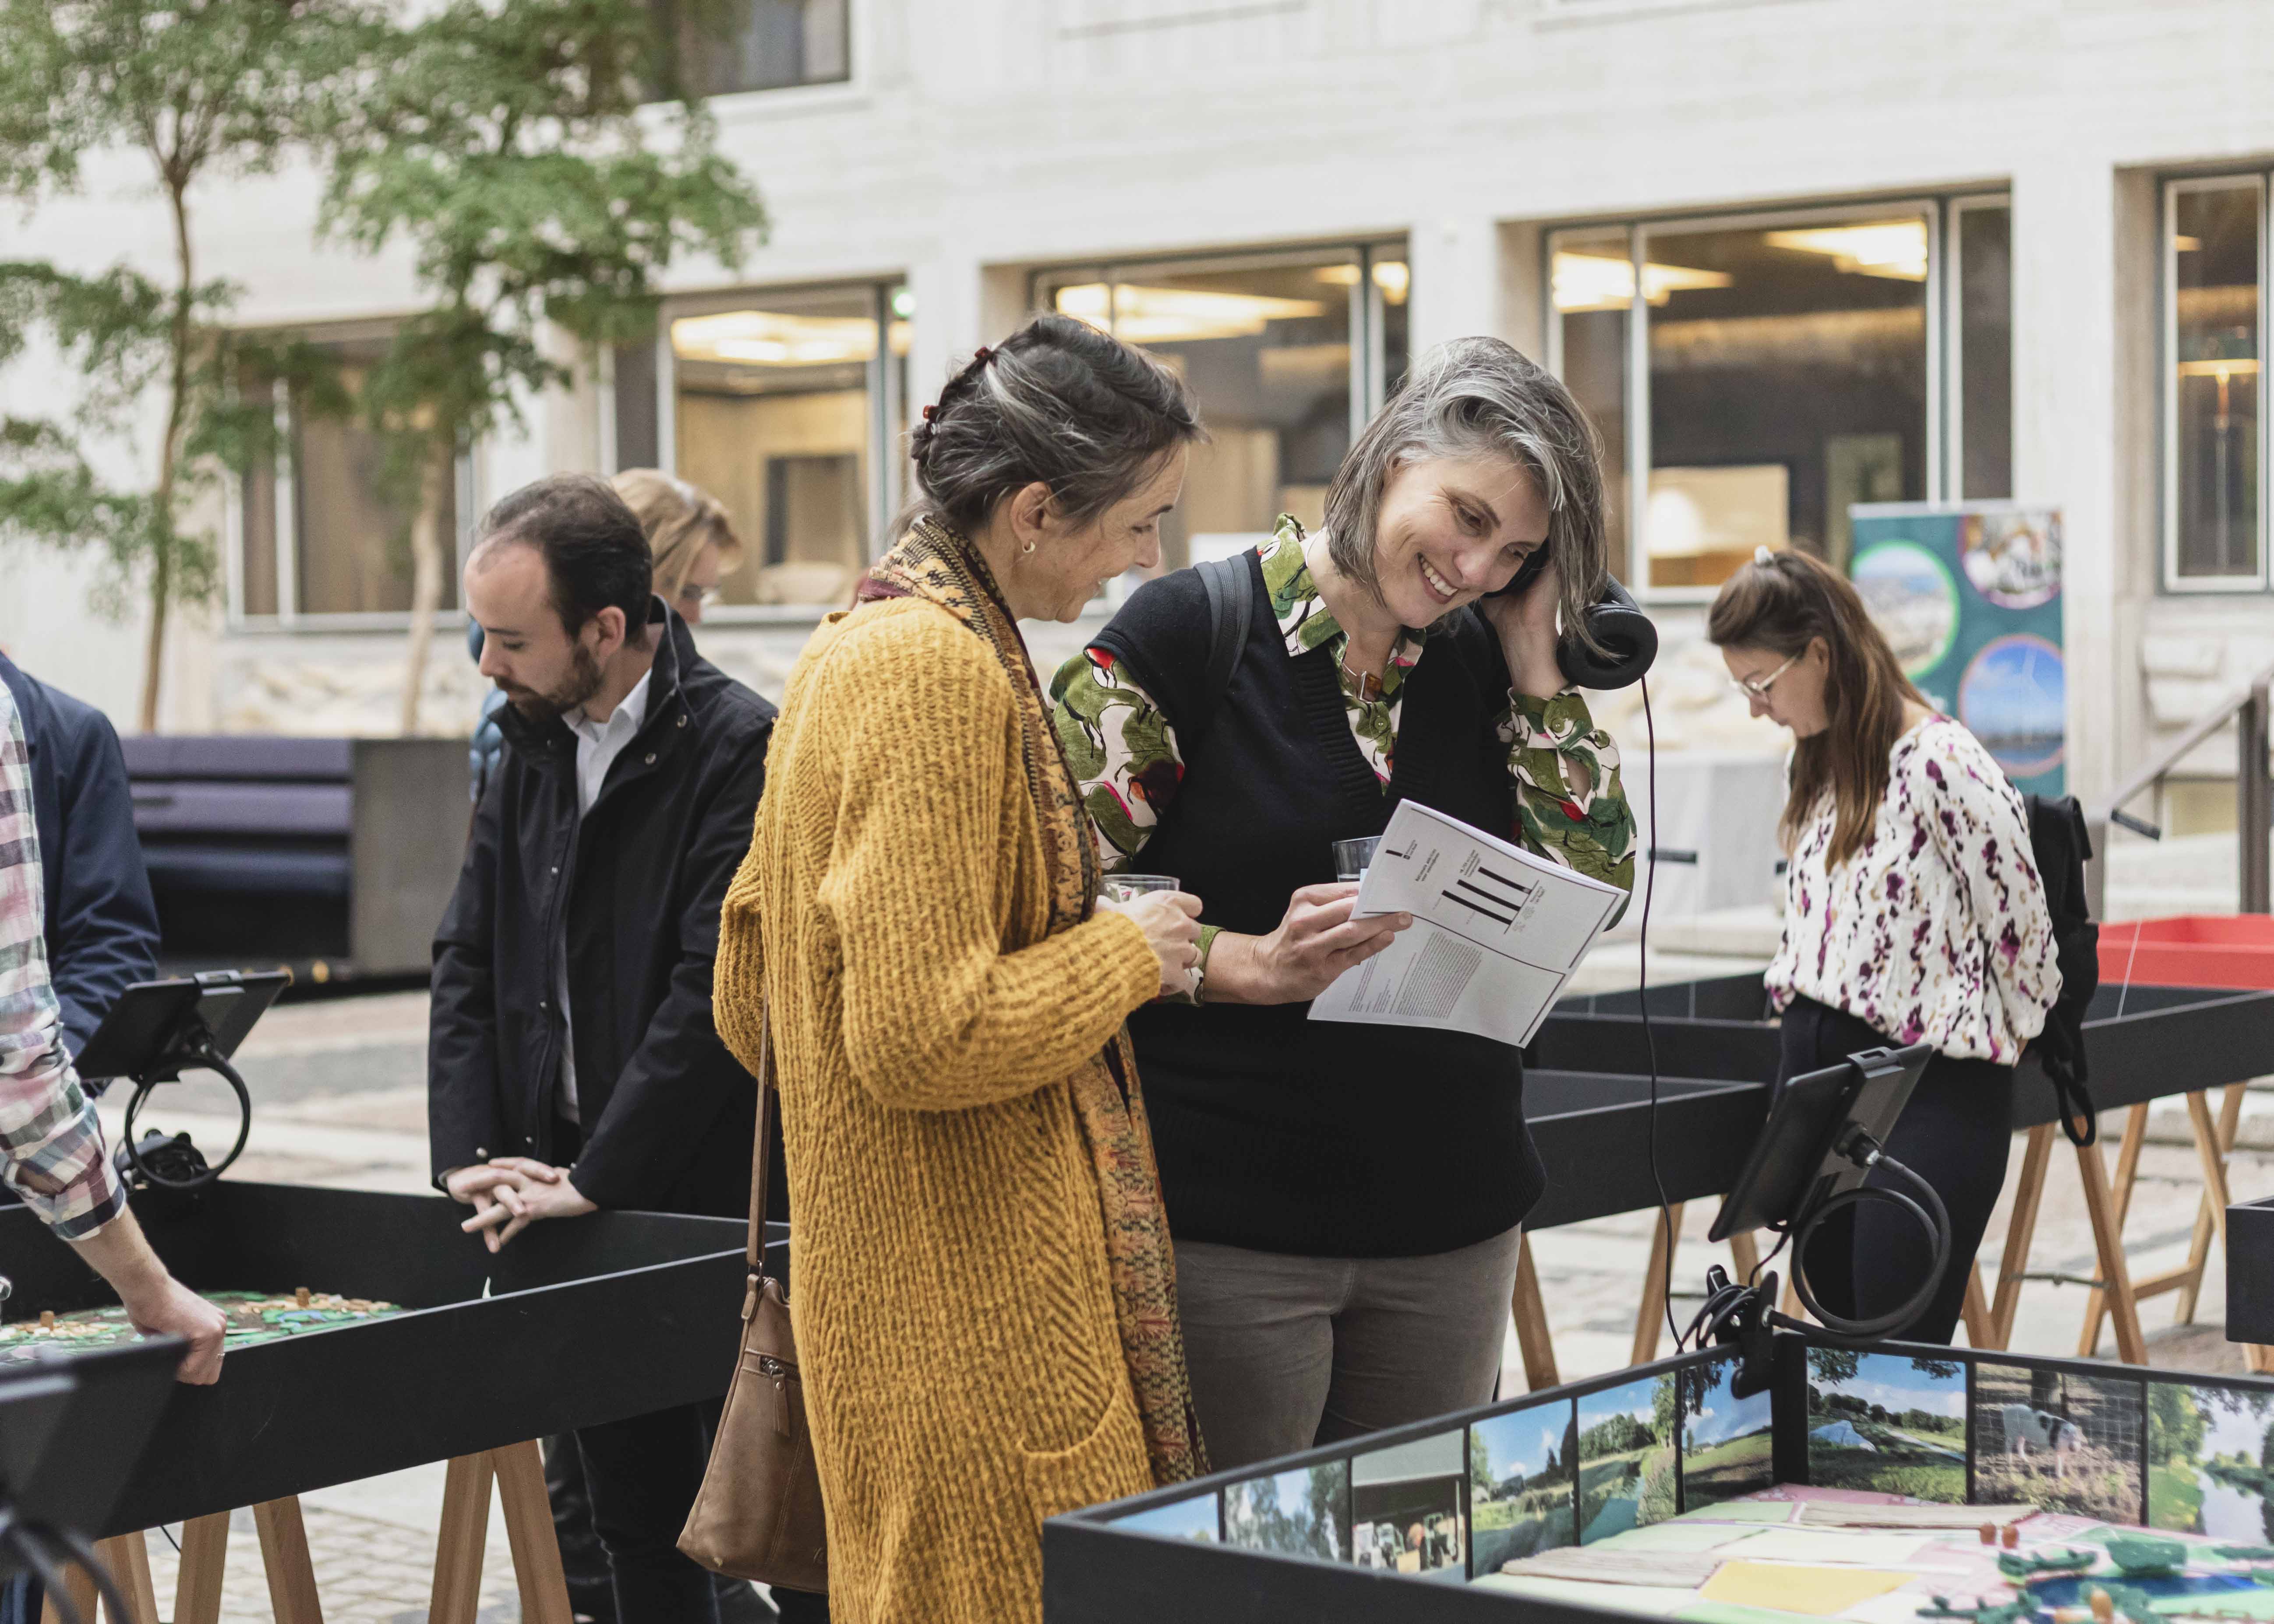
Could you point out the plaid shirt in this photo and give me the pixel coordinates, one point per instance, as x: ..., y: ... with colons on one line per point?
x: 50, y: 1144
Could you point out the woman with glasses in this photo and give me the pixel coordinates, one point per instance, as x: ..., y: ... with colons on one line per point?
x: 1913, y: 913
x: 688, y: 532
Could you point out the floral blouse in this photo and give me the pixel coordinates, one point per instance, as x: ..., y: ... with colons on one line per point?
x: 1936, y: 931
x: 1554, y: 747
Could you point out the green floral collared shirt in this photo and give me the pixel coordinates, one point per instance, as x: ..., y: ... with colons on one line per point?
x: 1127, y: 765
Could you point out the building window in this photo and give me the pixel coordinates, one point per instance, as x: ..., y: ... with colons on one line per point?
x: 789, y: 407
x: 1982, y: 348
x: 1753, y: 379
x: 2214, y: 281
x: 320, y: 529
x: 1288, y: 355
x: 726, y: 46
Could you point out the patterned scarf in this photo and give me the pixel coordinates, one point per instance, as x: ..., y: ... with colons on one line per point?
x: 935, y: 563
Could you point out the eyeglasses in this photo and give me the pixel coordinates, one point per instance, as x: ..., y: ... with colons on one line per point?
x: 1757, y: 687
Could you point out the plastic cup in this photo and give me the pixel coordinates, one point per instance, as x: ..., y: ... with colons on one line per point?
x: 1352, y: 857
x: 1128, y: 887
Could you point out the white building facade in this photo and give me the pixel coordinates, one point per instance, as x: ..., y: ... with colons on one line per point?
x: 1792, y: 254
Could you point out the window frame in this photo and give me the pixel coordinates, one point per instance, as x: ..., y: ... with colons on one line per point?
x: 289, y: 617
x: 881, y: 381
x: 1945, y: 465
x: 806, y: 95
x: 2169, y: 581
x: 1954, y: 328
x: 1368, y: 386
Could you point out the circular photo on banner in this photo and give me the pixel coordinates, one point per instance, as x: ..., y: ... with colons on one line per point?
x: 2014, y: 698
x: 2012, y: 559
x: 1912, y: 599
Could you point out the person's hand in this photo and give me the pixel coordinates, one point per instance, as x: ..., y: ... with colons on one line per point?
x: 1170, y: 921
x: 1526, y: 624
x: 526, y: 1191
x: 169, y: 1308
x: 1316, y: 942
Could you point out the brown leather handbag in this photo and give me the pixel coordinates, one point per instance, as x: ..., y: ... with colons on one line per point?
x: 759, y: 1515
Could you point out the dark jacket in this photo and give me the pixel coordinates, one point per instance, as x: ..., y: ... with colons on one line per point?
x: 636, y: 891
x: 102, y: 927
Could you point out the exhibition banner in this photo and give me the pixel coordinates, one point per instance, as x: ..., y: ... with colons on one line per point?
x: 1969, y: 594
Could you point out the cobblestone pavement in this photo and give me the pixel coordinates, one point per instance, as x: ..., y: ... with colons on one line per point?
x: 340, y: 1099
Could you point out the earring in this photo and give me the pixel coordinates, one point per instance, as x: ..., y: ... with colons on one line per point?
x: 1030, y: 547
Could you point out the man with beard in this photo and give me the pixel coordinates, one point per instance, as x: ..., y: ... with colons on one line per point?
x: 572, y: 1062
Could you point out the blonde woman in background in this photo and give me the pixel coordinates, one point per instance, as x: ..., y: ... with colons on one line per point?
x: 688, y: 532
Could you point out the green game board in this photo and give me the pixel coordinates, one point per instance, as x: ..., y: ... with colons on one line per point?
x: 253, y: 1316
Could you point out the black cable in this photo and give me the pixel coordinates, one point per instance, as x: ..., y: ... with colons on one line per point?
x: 17, y: 1536
x: 114, y: 1602
x: 1650, y: 1038
x: 206, y: 1058
x: 1931, y: 1214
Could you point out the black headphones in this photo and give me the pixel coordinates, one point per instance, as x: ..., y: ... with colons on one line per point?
x: 1629, y: 640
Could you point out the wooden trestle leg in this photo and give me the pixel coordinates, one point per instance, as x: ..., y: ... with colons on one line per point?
x: 519, y: 1470
x: 2107, y: 1237
x: 2020, y: 1231
x: 197, y: 1583
x: 1650, y: 1316
x: 1530, y: 1314
x: 284, y: 1553
x: 2127, y: 1173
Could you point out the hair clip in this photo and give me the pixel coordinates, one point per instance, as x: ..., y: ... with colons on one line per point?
x: 984, y: 355
x: 1761, y: 555
x: 927, y: 411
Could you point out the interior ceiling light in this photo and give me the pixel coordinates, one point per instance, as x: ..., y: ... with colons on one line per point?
x: 773, y: 338
x: 2186, y: 245
x: 1599, y: 281
x: 1178, y: 315
x: 1892, y: 248
x: 1394, y: 277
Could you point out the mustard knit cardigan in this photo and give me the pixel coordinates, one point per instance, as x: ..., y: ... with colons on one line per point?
x: 963, y: 1374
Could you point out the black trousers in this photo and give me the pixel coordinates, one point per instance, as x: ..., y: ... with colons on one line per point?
x: 1955, y: 1133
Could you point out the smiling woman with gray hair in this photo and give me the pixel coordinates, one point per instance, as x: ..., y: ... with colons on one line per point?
x: 1345, y: 1200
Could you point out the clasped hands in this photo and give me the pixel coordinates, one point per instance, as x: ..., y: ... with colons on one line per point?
x: 508, y: 1194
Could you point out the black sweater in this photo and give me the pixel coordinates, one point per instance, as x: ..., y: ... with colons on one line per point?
x: 1274, y: 1131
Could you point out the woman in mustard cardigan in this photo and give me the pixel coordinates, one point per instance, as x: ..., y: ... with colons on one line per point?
x: 984, y: 1296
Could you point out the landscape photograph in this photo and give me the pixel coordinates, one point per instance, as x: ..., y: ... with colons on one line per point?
x: 1305, y: 1512
x: 1193, y: 1517
x: 1626, y: 1457
x: 2210, y: 1461
x: 1887, y: 1423
x: 1520, y: 1468
x: 2059, y: 1440
x: 1725, y: 1439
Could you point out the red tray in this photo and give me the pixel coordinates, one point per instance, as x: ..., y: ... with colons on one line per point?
x: 2189, y: 949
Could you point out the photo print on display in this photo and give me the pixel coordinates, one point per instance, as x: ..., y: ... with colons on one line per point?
x: 1196, y: 1517
x: 1520, y: 1470
x: 1727, y: 1445
x: 1409, y: 1508
x: 1627, y: 1465
x: 2210, y: 1461
x: 2059, y: 1440
x: 1887, y: 1423
x: 1305, y: 1512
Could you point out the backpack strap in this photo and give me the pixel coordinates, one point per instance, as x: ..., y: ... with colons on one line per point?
x: 1230, y: 585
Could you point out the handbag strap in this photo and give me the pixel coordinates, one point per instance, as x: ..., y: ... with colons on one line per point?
x: 761, y: 1162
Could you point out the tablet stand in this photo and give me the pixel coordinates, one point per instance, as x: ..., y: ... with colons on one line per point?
x: 157, y: 1030
x: 1823, y: 1137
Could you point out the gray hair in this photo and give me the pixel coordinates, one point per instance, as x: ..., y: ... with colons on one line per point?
x: 1057, y: 402
x: 1465, y: 396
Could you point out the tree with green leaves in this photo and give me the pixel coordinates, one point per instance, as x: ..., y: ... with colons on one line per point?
x: 202, y: 89
x: 504, y: 142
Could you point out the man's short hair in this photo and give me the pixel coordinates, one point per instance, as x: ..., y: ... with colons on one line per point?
x: 595, y: 553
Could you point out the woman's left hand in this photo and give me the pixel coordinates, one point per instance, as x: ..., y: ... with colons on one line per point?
x: 1525, y: 623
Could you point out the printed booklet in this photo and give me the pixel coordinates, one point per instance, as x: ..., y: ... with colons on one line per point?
x: 1496, y: 931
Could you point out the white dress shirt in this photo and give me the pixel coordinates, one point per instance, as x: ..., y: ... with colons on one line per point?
x: 597, y: 746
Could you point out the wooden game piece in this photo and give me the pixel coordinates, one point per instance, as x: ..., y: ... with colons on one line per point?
x: 2103, y: 1609
x: 300, y: 1296
x: 2013, y: 1537
x: 46, y: 1318
x: 1989, y: 1533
